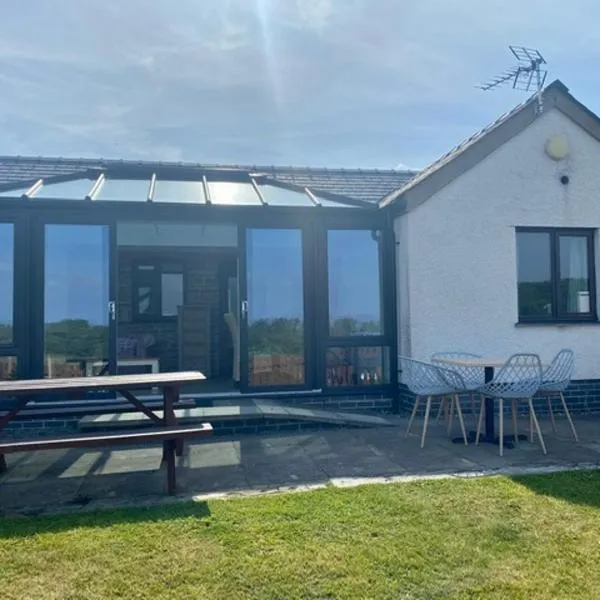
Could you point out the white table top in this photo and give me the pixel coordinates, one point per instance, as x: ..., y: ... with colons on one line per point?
x: 483, y: 362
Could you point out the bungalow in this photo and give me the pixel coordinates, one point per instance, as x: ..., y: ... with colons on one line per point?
x: 308, y: 281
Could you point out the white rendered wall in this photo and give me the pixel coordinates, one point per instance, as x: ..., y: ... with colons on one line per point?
x: 456, y: 252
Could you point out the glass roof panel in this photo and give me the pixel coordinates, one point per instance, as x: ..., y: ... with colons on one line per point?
x: 68, y: 190
x: 179, y: 191
x: 18, y: 193
x: 126, y: 190
x: 276, y: 196
x: 231, y: 193
x: 333, y: 204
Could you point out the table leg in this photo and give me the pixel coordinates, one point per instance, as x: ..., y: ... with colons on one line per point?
x: 169, y: 395
x: 490, y: 434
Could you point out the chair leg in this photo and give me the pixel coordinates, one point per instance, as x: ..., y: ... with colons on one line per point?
x: 473, y: 408
x: 551, y: 415
x: 460, y: 419
x: 427, y: 409
x: 564, y: 403
x: 441, y: 408
x: 413, y: 414
x: 451, y: 415
x: 537, y: 426
x: 530, y: 428
x: 480, y: 422
x: 514, y: 422
x: 501, y: 425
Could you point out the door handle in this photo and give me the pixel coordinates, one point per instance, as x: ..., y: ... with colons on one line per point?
x: 112, y: 310
x: 244, y: 309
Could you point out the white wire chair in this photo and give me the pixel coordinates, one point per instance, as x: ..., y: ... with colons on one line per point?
x: 474, y: 377
x: 518, y: 379
x: 429, y: 381
x: 555, y: 380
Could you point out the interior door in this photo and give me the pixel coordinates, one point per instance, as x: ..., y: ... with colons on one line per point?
x: 273, y: 327
x: 78, y: 303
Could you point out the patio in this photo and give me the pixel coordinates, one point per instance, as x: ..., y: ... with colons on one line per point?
x: 76, y: 480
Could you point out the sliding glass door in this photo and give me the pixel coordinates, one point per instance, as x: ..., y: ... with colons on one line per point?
x: 78, y: 312
x: 273, y: 309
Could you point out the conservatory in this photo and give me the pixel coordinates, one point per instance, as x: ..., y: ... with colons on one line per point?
x: 261, y: 284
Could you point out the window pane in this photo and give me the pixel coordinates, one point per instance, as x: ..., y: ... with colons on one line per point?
x: 225, y: 192
x: 8, y: 367
x: 357, y: 366
x: 574, y: 291
x: 534, y: 274
x: 354, y: 283
x: 172, y: 293
x: 145, y: 300
x: 276, y: 196
x: 275, y: 307
x: 6, y: 283
x: 68, y: 190
x: 179, y: 191
x: 125, y: 190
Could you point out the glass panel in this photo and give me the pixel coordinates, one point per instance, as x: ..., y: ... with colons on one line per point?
x: 15, y: 193
x: 8, y: 367
x: 179, y: 191
x: 357, y: 366
x: 69, y: 190
x: 126, y: 190
x: 76, y: 327
x: 176, y: 234
x: 224, y: 192
x: 354, y: 283
x: 332, y: 204
x: 171, y: 293
x: 534, y: 274
x: 277, y: 196
x: 574, y: 291
x: 275, y: 307
x: 6, y: 283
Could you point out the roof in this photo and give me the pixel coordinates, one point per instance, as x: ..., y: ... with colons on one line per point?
x: 475, y: 148
x: 366, y: 185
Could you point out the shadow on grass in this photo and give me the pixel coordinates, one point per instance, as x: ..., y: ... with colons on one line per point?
x: 577, y: 487
x: 26, y: 526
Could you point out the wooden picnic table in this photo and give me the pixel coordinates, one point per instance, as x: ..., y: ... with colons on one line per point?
x: 24, y: 391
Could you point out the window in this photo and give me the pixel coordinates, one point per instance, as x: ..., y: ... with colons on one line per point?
x: 158, y: 290
x: 354, y: 283
x: 555, y: 269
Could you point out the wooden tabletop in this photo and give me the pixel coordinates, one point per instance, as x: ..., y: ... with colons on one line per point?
x: 25, y: 387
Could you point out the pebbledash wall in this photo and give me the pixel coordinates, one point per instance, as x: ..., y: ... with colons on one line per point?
x: 456, y: 253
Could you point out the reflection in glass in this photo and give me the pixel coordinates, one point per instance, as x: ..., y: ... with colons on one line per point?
x: 357, y: 366
x: 179, y: 191
x: 8, y: 367
x: 275, y: 307
x: 75, y: 299
x: 277, y: 196
x: 354, y: 283
x: 125, y: 190
x: 171, y: 293
x: 68, y: 190
x: 6, y: 283
x: 574, y: 291
x: 534, y: 274
x: 225, y: 192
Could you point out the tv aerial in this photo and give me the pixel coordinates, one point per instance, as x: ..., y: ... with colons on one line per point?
x: 529, y: 74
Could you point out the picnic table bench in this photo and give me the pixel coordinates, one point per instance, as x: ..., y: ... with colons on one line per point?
x: 167, y: 430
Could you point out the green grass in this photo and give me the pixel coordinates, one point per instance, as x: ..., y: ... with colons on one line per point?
x: 529, y: 537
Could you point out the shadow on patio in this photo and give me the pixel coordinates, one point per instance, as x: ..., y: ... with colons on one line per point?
x: 75, y: 480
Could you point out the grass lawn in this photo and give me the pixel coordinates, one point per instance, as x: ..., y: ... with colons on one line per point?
x: 530, y: 537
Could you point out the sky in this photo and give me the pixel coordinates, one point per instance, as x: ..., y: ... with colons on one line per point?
x: 338, y: 83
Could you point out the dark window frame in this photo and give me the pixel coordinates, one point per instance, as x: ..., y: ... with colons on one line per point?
x: 558, y: 316
x: 154, y: 281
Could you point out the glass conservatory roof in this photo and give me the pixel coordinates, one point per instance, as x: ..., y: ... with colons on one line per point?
x: 242, y: 189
